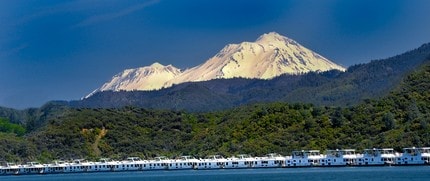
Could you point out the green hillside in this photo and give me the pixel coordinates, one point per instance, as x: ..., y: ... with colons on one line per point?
x: 398, y: 120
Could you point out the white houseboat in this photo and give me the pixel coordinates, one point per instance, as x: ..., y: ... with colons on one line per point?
x: 212, y: 162
x: 304, y: 158
x: 106, y: 164
x: 410, y: 156
x: 159, y: 163
x: 332, y: 158
x: 55, y: 167
x: 31, y: 168
x: 272, y: 160
x: 388, y: 155
x: 425, y: 154
x: 10, y: 169
x: 241, y: 161
x: 184, y: 162
x: 349, y: 156
x: 371, y: 157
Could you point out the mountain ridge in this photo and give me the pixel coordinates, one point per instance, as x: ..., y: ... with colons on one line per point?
x: 331, y: 88
x: 269, y: 56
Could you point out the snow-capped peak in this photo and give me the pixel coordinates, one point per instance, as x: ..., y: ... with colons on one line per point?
x: 269, y: 56
x: 271, y: 37
x: 157, y: 65
x: 144, y: 78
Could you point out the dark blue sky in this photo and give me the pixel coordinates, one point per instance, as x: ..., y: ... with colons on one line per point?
x: 62, y: 50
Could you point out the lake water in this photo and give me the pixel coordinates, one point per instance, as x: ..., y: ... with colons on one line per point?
x: 343, y: 173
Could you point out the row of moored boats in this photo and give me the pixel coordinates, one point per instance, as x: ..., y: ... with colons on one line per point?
x: 303, y: 158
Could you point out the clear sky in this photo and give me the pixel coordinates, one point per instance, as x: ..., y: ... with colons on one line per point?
x: 63, y: 50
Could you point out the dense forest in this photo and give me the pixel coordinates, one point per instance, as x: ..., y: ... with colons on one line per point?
x: 400, y: 119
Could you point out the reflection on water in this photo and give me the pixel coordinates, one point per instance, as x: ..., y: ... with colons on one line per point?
x: 343, y: 173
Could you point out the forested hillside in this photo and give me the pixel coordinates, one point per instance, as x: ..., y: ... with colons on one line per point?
x: 34, y: 118
x: 398, y: 120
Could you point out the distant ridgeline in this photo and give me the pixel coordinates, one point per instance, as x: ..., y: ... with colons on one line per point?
x: 398, y: 119
x: 332, y: 88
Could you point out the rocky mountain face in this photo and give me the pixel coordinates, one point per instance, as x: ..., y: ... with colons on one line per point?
x: 269, y: 56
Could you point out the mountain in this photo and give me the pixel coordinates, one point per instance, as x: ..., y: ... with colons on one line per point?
x: 331, y: 88
x: 145, y: 78
x: 269, y: 56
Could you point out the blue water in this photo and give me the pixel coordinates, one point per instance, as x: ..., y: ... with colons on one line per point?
x: 345, y: 173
